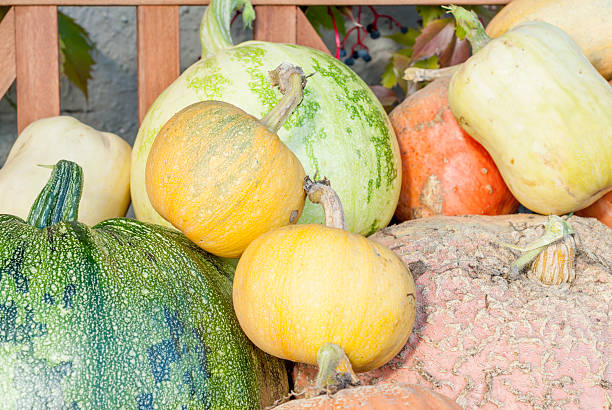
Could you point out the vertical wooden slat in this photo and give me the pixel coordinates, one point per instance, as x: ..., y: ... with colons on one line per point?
x: 158, y: 52
x: 37, y: 63
x: 7, y: 51
x: 306, y: 34
x: 276, y: 23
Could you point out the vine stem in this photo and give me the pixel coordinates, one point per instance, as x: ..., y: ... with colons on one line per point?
x: 215, y: 26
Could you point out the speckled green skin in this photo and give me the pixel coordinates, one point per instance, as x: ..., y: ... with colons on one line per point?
x: 339, y: 131
x: 122, y: 315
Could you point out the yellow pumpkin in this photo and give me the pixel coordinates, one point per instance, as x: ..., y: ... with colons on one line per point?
x: 301, y: 287
x: 103, y: 156
x: 537, y: 105
x: 222, y: 176
x: 587, y: 22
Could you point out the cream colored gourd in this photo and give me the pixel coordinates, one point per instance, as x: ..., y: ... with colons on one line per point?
x: 310, y: 293
x: 589, y: 23
x: 542, y: 111
x: 104, y: 157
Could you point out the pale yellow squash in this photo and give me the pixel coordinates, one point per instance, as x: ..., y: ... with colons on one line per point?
x: 537, y: 105
x: 588, y: 22
x: 302, y: 287
x: 104, y: 157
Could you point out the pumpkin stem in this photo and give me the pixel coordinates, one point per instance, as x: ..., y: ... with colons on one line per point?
x: 320, y: 192
x: 215, y: 33
x: 335, y: 370
x: 556, y: 228
x: 416, y: 74
x: 291, y: 82
x: 59, y: 199
x: 470, y: 27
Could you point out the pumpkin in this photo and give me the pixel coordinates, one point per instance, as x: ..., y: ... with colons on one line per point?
x: 384, y: 396
x: 537, y: 105
x: 322, y: 295
x: 444, y: 171
x: 587, y: 22
x: 120, y: 315
x: 105, y: 159
x: 340, y: 129
x: 600, y: 209
x: 489, y: 342
x: 223, y: 177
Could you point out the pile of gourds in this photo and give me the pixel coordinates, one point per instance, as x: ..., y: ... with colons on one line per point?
x: 135, y: 314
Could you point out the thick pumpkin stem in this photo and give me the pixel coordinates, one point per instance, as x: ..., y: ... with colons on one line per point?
x: 59, y: 199
x: 215, y: 31
x: 555, y: 229
x: 470, y: 27
x: 291, y: 81
x: 335, y: 370
x: 320, y: 192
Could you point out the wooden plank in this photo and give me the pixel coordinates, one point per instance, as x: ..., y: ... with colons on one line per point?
x: 276, y: 23
x: 7, y: 51
x: 306, y: 34
x: 254, y: 2
x: 37, y: 63
x: 158, y: 52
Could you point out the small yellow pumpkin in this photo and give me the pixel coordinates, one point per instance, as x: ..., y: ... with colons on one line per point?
x: 303, y: 291
x: 222, y: 176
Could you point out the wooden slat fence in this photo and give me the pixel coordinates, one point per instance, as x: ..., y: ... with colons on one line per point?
x: 29, y: 44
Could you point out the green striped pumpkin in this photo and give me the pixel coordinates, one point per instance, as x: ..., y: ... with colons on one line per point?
x: 339, y: 131
x: 121, y: 315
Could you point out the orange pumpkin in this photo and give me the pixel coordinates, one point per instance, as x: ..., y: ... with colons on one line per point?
x: 222, y: 176
x: 444, y: 170
x: 600, y: 209
x: 384, y: 396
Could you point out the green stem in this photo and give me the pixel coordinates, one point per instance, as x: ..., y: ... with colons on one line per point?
x: 335, y: 370
x: 59, y: 199
x: 291, y: 81
x: 470, y: 27
x: 555, y: 229
x: 215, y: 31
x: 320, y: 192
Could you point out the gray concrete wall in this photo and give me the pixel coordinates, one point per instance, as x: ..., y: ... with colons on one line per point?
x: 112, y: 104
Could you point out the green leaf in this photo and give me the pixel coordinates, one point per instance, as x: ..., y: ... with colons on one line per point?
x: 406, y: 39
x: 3, y: 11
x: 389, y: 79
x: 431, y: 62
x: 430, y: 13
x: 319, y: 17
x: 75, y: 52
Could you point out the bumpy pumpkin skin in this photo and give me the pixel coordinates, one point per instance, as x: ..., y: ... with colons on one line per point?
x: 236, y: 161
x: 384, y: 396
x: 339, y: 131
x: 542, y: 111
x: 588, y: 24
x: 122, y: 315
x: 300, y: 286
x: 444, y: 170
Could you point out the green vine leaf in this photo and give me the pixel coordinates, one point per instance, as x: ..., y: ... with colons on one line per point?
x: 3, y: 11
x: 430, y: 13
x: 320, y: 18
x: 75, y: 52
x: 406, y: 39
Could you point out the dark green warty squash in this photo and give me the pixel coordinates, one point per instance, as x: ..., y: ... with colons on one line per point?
x: 120, y: 315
